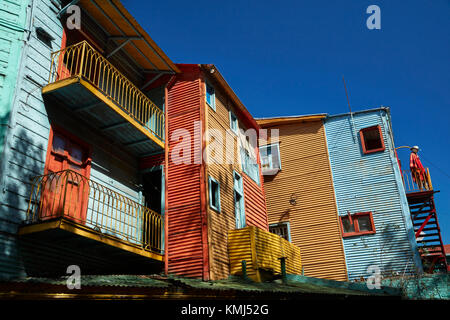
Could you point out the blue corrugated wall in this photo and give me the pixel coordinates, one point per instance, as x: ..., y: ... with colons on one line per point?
x: 371, y: 182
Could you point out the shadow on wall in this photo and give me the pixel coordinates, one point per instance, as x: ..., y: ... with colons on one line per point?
x: 25, y: 160
x: 386, y: 252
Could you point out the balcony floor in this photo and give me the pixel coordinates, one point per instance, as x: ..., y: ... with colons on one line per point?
x: 90, y: 104
x: 50, y: 247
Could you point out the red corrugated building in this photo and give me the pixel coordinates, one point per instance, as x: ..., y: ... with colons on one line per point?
x: 213, y: 183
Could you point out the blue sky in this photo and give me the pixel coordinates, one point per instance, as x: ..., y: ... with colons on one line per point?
x: 288, y: 57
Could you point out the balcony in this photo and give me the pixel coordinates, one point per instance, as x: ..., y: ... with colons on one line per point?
x: 80, y: 215
x: 413, y: 182
x: 262, y: 252
x: 88, y: 84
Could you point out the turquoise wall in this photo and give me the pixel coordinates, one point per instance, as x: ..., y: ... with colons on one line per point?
x: 23, y: 144
x: 371, y: 182
x: 13, y: 14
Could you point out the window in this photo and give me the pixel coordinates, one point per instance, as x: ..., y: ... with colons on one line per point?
x: 214, y: 194
x: 281, y: 229
x: 249, y: 165
x: 371, y: 139
x: 239, y: 201
x: 357, y: 224
x: 210, y: 96
x: 270, y: 159
x: 233, y: 123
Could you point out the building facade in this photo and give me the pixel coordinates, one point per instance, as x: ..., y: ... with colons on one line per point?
x: 214, y: 182
x: 300, y: 196
x: 88, y: 107
x: 376, y: 225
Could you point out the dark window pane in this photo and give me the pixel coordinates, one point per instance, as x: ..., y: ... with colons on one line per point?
x: 364, y: 223
x: 372, y: 139
x: 347, y: 226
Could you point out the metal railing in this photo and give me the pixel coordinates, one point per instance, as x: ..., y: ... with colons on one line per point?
x: 82, y: 60
x: 71, y: 195
x: 415, y: 182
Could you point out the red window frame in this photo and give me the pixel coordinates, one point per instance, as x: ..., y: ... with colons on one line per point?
x: 363, y: 141
x: 354, y: 221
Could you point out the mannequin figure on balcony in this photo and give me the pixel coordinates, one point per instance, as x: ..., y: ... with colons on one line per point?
x: 417, y: 170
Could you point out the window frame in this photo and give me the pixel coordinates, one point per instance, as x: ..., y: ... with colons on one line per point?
x: 230, y: 115
x: 237, y: 191
x: 246, y: 167
x: 271, y: 169
x: 363, y: 141
x: 211, y: 179
x: 356, y: 224
x: 288, y: 229
x: 213, y: 96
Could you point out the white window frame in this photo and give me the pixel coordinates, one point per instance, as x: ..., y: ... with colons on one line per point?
x: 231, y: 115
x: 271, y: 170
x: 211, y: 179
x: 279, y: 224
x: 213, y: 96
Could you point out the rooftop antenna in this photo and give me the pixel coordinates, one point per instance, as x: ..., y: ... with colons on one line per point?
x: 350, y: 109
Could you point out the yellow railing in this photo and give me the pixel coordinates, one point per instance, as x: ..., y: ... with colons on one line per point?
x: 70, y: 195
x: 414, y: 182
x: 261, y: 250
x: 81, y: 60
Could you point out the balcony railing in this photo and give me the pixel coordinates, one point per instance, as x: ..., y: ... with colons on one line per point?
x: 83, y: 61
x: 261, y: 250
x: 68, y: 194
x: 414, y: 182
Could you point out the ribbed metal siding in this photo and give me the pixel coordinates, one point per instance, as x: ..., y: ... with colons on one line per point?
x: 366, y: 182
x: 26, y: 138
x: 261, y: 250
x: 185, y: 252
x: 306, y: 177
x: 255, y: 204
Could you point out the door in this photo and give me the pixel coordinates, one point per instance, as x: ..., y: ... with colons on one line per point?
x: 65, y: 187
x: 239, y: 201
x: 152, y: 199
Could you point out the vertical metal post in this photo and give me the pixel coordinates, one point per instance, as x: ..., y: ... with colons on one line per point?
x: 83, y: 49
x: 244, y: 269
x: 283, y: 269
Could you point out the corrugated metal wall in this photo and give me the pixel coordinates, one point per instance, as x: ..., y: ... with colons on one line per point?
x: 27, y: 136
x: 13, y: 16
x: 255, y: 204
x: 186, y: 252
x: 255, y: 210
x: 367, y: 182
x: 306, y: 178
x: 26, y: 147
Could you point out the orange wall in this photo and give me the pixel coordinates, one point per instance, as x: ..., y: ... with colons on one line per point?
x: 306, y: 177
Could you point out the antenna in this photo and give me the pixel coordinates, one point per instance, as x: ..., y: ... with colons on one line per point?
x: 350, y: 108
x: 346, y: 93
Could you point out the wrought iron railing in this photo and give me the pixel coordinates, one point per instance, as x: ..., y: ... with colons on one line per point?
x: 82, y: 60
x: 71, y: 195
x: 416, y: 182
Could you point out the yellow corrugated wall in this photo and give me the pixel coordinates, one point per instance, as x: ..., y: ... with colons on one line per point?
x: 306, y: 177
x: 261, y: 250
